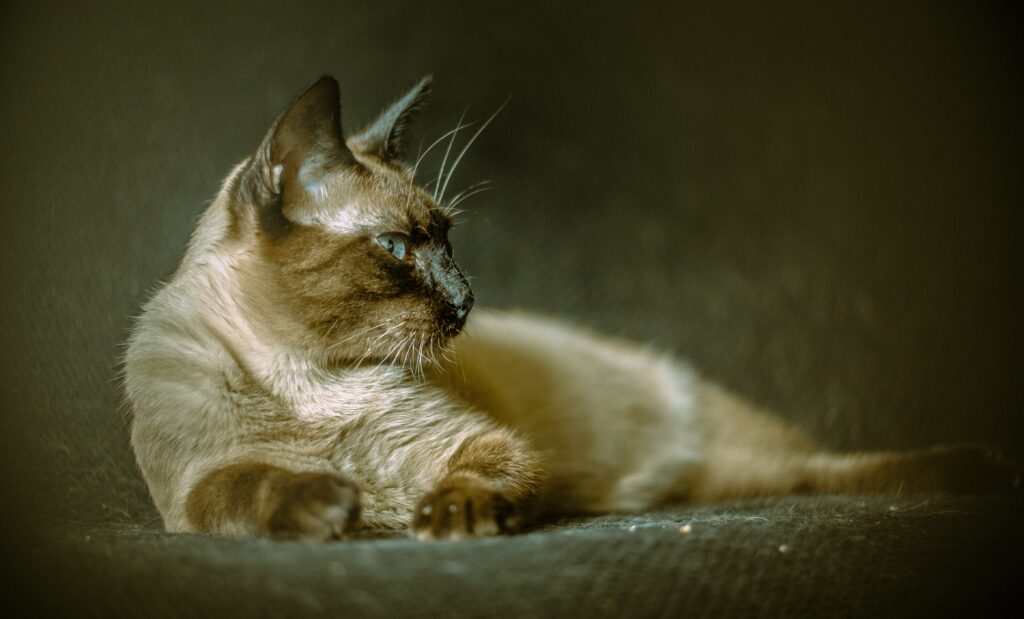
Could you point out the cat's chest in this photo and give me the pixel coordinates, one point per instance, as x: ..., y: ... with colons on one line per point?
x: 380, y: 429
x: 311, y: 395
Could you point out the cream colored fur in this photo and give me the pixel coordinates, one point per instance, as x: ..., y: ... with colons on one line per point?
x: 618, y: 426
x: 215, y: 378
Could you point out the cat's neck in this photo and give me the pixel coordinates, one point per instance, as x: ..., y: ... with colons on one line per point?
x: 312, y: 385
x: 240, y: 319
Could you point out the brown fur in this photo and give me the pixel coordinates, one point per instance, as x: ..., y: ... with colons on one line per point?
x: 751, y: 454
x: 314, y: 286
x: 260, y: 499
x: 279, y: 388
x: 466, y: 504
x: 491, y: 487
x: 501, y: 458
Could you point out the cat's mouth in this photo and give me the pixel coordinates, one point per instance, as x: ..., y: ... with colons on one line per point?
x: 453, y: 320
x: 426, y: 347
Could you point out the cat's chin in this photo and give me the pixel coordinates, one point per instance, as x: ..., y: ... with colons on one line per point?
x: 417, y: 352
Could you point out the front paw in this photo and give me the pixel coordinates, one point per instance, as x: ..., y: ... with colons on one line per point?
x: 464, y: 506
x: 313, y: 506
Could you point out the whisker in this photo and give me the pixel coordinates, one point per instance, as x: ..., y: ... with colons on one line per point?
x: 372, y: 346
x: 434, y: 349
x: 466, y: 148
x: 451, y: 142
x: 419, y: 355
x: 331, y: 347
x: 457, y: 196
x: 466, y: 197
x: 419, y: 157
x: 435, y: 143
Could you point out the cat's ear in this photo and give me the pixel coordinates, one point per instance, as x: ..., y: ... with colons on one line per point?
x: 384, y: 137
x: 303, y: 146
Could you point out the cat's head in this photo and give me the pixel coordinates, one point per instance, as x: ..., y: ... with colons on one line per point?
x: 349, y: 258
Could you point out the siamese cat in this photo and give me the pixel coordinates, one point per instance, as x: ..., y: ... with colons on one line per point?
x: 313, y: 365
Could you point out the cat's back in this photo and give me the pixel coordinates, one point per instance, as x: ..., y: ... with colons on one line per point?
x: 593, y: 405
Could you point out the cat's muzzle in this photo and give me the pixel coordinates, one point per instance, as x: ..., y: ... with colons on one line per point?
x: 454, y: 316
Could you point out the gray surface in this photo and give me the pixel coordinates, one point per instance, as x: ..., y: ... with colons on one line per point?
x: 820, y: 207
x: 819, y: 557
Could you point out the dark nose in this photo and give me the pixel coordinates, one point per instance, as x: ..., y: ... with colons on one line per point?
x: 451, y: 285
x: 459, y: 305
x: 462, y: 309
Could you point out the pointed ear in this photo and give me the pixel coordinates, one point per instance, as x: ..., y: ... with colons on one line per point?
x: 303, y: 146
x: 384, y: 138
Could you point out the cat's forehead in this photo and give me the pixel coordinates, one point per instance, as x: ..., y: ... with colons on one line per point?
x: 356, y: 203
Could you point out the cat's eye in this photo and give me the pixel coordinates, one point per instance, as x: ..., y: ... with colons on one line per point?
x: 394, y: 243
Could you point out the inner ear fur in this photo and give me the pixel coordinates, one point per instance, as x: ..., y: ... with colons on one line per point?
x: 385, y: 138
x: 303, y: 146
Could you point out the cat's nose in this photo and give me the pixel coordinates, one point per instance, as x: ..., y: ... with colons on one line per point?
x: 457, y: 311
x: 462, y: 309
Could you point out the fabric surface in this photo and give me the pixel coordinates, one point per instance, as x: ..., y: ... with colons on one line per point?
x: 818, y: 205
x: 800, y: 556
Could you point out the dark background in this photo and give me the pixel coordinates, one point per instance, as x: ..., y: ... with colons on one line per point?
x: 819, y: 204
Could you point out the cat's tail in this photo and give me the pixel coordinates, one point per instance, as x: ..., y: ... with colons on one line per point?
x: 750, y: 454
x: 944, y: 469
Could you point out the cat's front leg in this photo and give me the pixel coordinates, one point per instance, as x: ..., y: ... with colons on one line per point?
x: 254, y: 498
x: 490, y: 486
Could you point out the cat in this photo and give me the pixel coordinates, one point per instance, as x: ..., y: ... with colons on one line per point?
x: 313, y: 366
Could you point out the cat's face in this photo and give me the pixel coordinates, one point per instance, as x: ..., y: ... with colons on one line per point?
x: 352, y: 256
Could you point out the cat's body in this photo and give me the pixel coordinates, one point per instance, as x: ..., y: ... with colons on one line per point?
x: 310, y: 365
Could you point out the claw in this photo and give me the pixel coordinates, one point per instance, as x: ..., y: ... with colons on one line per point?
x: 460, y: 508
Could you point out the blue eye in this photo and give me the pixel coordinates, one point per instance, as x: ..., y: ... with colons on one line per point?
x: 394, y: 243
